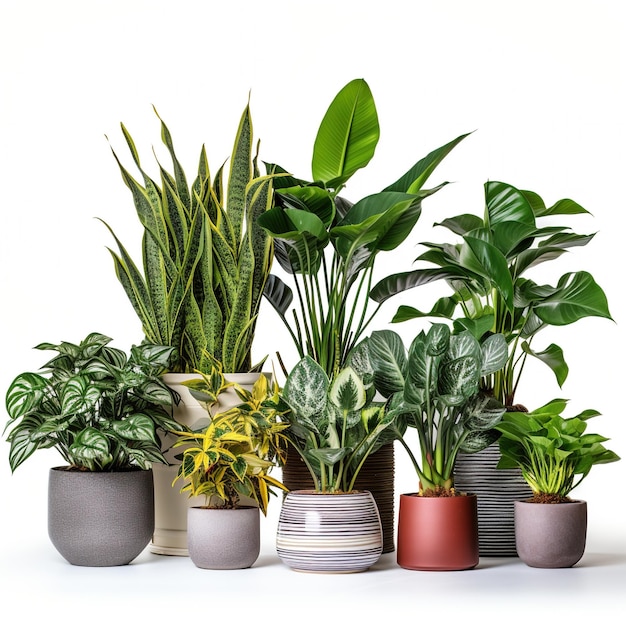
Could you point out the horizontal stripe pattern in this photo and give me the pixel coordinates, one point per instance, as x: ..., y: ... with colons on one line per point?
x: 330, y: 533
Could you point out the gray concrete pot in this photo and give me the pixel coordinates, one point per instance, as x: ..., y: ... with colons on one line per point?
x: 223, y: 538
x: 551, y: 535
x: 100, y: 519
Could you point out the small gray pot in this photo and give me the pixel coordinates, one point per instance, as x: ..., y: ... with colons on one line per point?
x: 100, y: 519
x: 551, y: 535
x: 223, y: 538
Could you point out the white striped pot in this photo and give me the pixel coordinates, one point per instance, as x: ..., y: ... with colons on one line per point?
x: 329, y: 532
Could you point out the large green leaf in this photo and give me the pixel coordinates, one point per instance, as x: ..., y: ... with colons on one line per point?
x: 389, y: 361
x: 577, y: 296
x: 553, y: 357
x: 347, y: 136
x: 506, y: 203
x: 415, y: 178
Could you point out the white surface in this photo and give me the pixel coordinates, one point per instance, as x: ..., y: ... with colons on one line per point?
x: 543, y: 83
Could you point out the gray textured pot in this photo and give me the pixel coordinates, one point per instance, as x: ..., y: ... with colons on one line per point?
x: 551, y: 535
x: 223, y: 538
x: 100, y: 519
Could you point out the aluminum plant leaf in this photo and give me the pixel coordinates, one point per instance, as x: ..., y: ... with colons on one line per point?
x: 79, y: 395
x: 26, y: 391
x: 92, y: 447
x: 137, y: 427
x: 348, y: 134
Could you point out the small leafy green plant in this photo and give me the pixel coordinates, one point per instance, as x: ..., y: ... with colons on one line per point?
x: 205, y: 259
x: 101, y: 409
x: 554, y: 453
x: 433, y: 389
x: 487, y: 268
x: 328, y: 244
x: 232, y: 457
x: 334, y: 424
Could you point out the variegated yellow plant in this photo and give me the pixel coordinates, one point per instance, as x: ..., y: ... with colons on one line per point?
x: 234, y: 455
x: 205, y: 260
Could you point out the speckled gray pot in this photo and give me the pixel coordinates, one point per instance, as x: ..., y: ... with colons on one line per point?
x: 551, y: 535
x: 100, y: 519
x: 223, y: 538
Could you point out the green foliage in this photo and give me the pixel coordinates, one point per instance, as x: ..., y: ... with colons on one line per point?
x: 433, y: 388
x: 330, y: 245
x: 550, y: 450
x: 334, y: 424
x: 100, y: 408
x: 205, y: 259
x: 487, y: 274
x: 233, y: 455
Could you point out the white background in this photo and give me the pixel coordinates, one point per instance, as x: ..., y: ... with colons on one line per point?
x: 542, y: 84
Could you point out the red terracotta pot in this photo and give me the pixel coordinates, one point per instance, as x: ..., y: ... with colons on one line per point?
x: 437, y: 534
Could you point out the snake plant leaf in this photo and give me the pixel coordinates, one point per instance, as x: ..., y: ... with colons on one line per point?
x: 25, y: 392
x: 347, y: 391
x: 577, y: 296
x: 415, y: 178
x: 553, y: 357
x: 347, y: 136
x: 389, y: 361
x: 506, y: 203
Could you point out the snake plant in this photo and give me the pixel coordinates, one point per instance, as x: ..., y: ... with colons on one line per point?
x: 205, y: 260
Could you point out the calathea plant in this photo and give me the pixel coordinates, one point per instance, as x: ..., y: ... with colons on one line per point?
x: 487, y: 267
x: 232, y: 457
x: 101, y: 409
x: 433, y: 388
x: 334, y: 423
x: 554, y: 453
x: 328, y: 244
x: 205, y: 259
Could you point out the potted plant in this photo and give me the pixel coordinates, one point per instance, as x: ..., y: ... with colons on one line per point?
x: 433, y: 388
x: 329, y: 246
x: 487, y: 267
x: 205, y: 262
x: 228, y: 464
x: 334, y: 425
x: 102, y: 411
x: 554, y: 454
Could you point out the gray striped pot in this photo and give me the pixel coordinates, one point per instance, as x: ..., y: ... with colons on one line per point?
x: 329, y: 533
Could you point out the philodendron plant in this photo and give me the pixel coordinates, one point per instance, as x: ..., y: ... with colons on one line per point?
x: 433, y: 388
x: 233, y: 456
x: 205, y: 259
x: 334, y: 423
x: 328, y: 244
x: 554, y: 453
x: 487, y: 270
x: 101, y: 409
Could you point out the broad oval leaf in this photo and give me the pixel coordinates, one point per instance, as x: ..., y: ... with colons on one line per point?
x: 137, y: 427
x: 25, y: 392
x: 306, y: 389
x: 495, y: 353
x: 507, y: 203
x: 389, y: 361
x: 347, y: 137
x: 79, y: 395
